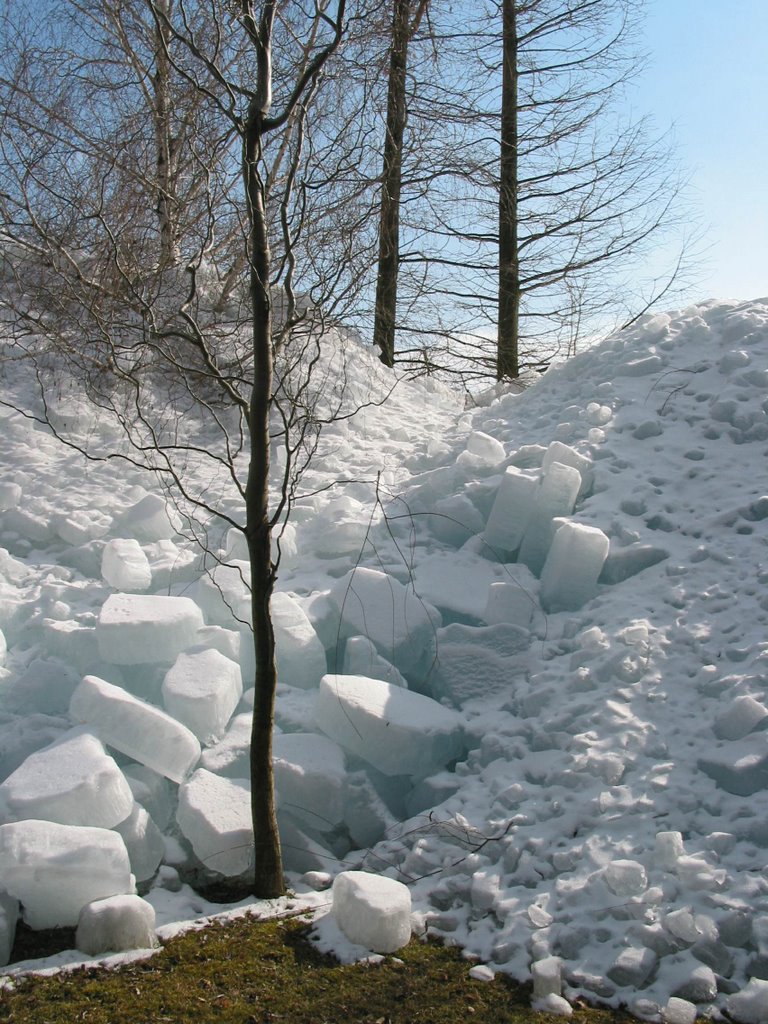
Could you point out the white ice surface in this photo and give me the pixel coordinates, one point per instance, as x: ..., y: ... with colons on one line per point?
x: 214, y: 814
x: 202, y: 689
x: 114, y: 924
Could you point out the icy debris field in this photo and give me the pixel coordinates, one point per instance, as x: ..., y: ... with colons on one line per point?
x: 529, y: 681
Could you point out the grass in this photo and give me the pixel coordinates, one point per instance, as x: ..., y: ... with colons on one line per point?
x: 252, y: 972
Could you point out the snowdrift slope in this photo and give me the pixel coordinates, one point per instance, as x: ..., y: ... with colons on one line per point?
x: 605, y: 829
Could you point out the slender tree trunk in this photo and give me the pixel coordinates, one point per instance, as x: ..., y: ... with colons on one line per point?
x: 268, y: 870
x: 389, y: 218
x: 165, y: 149
x: 507, y: 357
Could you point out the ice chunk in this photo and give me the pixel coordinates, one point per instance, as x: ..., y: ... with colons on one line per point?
x: 669, y: 848
x: 750, y: 1006
x: 366, y: 815
x: 567, y: 456
x: 571, y: 571
x: 149, y: 519
x: 3, y: 648
x: 231, y: 756
x: 152, y: 791
x: 455, y: 519
x: 83, y: 525
x: 10, y: 495
x: 546, y: 977
x: 135, y: 728
x: 457, y: 580
x: 742, y: 716
x: 135, y: 629
x: 632, y: 966
x: 393, y: 616
x: 397, y: 731
x: 699, y: 987
x: 310, y: 774
x: 626, y: 877
x: 514, y: 600
x: 372, y: 911
x: 54, y: 870
x: 485, y: 447
x: 477, y: 661
x: 215, y: 816
x: 512, y: 510
x: 362, y: 659
x: 226, y: 641
x: 678, y: 1011
x: 143, y: 841
x: 73, y: 781
x: 224, y: 594
x: 116, y: 924
x: 9, y: 915
x: 301, y: 852
x: 202, y: 689
x: 171, y: 564
x: 45, y: 685
x: 555, y: 498
x: 300, y: 655
x: 739, y: 767
x: 124, y: 565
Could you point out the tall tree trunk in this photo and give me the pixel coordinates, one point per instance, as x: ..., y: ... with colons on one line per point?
x: 389, y: 218
x: 165, y: 148
x: 268, y: 870
x: 507, y: 354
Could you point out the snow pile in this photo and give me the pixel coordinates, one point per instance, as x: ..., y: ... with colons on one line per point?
x: 523, y: 664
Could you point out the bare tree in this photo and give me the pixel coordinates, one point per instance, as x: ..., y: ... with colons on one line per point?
x: 539, y: 202
x: 158, y: 349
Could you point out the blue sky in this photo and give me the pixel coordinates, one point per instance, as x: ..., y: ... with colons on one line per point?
x: 708, y: 76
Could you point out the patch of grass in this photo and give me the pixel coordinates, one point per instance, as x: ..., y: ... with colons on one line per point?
x: 253, y: 972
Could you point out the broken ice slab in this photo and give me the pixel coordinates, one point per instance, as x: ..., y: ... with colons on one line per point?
x: 397, y: 731
x: 202, y: 689
x: 555, y: 497
x: 136, y: 629
x: 512, y: 510
x: 215, y: 816
x: 372, y: 911
x: 54, y: 870
x: 572, y: 569
x: 135, y: 728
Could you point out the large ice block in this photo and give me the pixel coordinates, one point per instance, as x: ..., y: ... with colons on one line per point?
x: 231, y: 756
x: 571, y: 571
x: 124, y: 565
x: 362, y: 659
x: 143, y: 841
x: 555, y: 497
x: 202, y: 690
x: 372, y: 910
x: 310, y: 776
x: 72, y: 781
x: 567, y: 456
x: 135, y: 728
x: 215, y: 815
x: 150, y: 519
x: 300, y: 655
x: 134, y: 629
x: 224, y: 594
x: 397, y: 731
x: 115, y: 924
x: 54, y: 870
x: 399, y: 622
x: 512, y: 510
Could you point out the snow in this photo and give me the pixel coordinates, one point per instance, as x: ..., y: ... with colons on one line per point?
x: 576, y: 771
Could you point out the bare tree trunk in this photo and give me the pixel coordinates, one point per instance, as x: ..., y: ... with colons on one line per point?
x: 268, y: 870
x: 389, y: 222
x: 507, y: 363
x: 165, y: 147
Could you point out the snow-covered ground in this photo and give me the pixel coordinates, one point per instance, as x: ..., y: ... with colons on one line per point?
x: 570, y: 772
